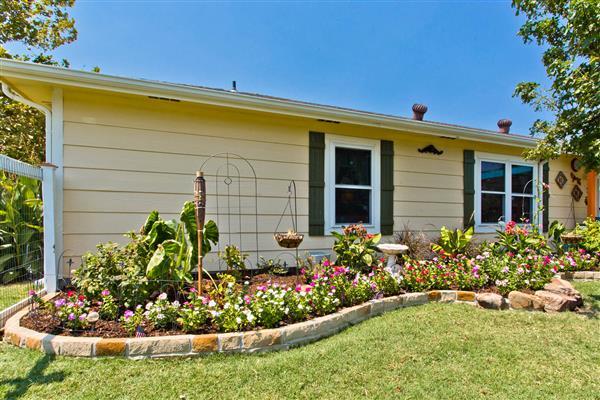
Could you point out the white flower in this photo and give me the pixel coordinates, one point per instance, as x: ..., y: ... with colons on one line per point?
x: 226, y: 306
x: 160, y: 316
x: 238, y: 320
x: 162, y: 296
x: 212, y: 303
x: 175, y: 304
x: 149, y: 305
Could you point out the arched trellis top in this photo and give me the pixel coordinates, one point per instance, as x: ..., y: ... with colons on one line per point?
x: 228, y: 173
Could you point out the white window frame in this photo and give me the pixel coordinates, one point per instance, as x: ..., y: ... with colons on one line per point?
x: 508, y: 162
x: 333, y: 141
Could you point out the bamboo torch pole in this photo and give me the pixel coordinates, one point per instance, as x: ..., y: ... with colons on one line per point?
x: 200, y: 206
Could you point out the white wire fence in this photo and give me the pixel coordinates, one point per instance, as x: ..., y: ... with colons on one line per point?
x: 21, y: 234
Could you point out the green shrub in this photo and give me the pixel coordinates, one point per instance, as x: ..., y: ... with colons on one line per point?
x: 119, y: 269
x: 590, y: 230
x: 355, y: 248
x: 453, y: 241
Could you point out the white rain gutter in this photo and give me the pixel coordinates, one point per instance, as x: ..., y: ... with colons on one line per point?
x: 48, y: 195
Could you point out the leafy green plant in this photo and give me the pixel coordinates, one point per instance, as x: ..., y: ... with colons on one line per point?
x: 272, y: 266
x: 453, y: 241
x: 119, y: 270
x: 519, y: 240
x: 234, y: 259
x: 21, y: 241
x: 355, y: 248
x: 590, y: 230
x: 555, y: 230
x: 174, y: 245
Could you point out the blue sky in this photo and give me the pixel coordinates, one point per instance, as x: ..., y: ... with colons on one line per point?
x: 461, y: 58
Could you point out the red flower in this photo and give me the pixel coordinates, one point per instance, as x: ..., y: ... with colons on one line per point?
x: 70, y: 293
x: 81, y: 297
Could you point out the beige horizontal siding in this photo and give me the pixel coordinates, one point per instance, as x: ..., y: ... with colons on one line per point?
x: 125, y: 156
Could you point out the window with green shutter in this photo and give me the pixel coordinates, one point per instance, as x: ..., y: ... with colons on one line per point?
x: 351, y: 180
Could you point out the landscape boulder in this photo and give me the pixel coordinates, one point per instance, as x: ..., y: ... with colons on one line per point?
x: 490, y: 301
x: 556, y: 302
x: 524, y: 301
x: 562, y: 287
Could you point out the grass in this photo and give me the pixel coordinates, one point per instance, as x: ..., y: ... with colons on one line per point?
x: 12, y: 293
x: 432, y: 351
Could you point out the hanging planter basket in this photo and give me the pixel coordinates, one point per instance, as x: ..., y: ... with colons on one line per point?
x: 571, y: 238
x: 289, y: 240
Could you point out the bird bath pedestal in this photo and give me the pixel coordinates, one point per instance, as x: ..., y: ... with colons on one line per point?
x: 392, y: 251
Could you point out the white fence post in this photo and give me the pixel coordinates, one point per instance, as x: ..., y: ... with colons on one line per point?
x: 50, y: 259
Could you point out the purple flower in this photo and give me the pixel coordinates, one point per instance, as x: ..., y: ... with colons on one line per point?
x: 32, y: 293
x: 59, y: 303
x: 128, y: 314
x: 71, y: 317
x: 105, y: 292
x: 82, y: 317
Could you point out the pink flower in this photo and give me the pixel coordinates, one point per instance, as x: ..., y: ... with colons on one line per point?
x: 547, y: 260
x: 32, y: 293
x: 71, y: 317
x: 326, y: 263
x: 128, y: 314
x: 105, y: 292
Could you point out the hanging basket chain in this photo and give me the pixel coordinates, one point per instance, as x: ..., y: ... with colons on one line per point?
x: 292, y: 238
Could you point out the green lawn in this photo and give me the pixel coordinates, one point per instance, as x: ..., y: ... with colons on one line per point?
x: 12, y: 293
x: 432, y: 351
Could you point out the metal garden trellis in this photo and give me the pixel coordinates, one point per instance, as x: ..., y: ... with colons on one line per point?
x: 228, y: 177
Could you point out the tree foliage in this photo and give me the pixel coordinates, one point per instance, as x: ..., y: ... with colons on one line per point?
x: 39, y: 26
x: 569, y: 30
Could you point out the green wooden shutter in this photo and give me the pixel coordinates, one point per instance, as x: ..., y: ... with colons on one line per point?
x: 387, y: 187
x: 469, y: 188
x: 546, y: 198
x: 316, y: 184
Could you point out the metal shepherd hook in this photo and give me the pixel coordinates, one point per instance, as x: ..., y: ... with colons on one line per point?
x: 200, y: 208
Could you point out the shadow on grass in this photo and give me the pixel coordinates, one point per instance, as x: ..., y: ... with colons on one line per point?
x: 35, y: 376
x: 591, y: 308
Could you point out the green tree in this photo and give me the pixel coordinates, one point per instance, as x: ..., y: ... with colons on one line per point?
x: 40, y: 26
x: 569, y: 30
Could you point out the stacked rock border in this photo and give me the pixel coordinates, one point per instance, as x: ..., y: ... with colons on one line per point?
x: 281, y: 338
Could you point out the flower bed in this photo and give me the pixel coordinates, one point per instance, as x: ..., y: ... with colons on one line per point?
x: 145, y: 289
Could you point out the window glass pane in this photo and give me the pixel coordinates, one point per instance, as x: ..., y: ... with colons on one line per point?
x: 352, y: 166
x: 492, y: 176
x: 352, y: 206
x: 522, y: 176
x: 492, y: 208
x: 522, y: 208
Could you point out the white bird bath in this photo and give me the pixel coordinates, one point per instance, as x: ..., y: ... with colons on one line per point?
x: 392, y: 251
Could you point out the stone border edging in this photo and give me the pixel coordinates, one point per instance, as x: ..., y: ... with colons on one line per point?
x: 281, y: 338
x: 580, y: 275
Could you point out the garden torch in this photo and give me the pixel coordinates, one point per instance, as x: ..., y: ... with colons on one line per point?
x: 200, y: 208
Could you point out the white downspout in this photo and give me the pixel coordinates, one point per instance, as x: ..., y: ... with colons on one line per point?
x: 48, y: 189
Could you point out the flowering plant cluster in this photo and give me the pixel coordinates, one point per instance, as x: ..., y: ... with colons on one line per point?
x: 529, y: 270
x: 355, y: 248
x: 445, y: 272
x: 72, y: 310
x: 578, y: 260
x: 519, y: 239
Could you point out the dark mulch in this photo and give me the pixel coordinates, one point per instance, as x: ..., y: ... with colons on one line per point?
x: 287, y: 280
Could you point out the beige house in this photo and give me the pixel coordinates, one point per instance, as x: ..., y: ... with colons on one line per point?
x: 123, y: 147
